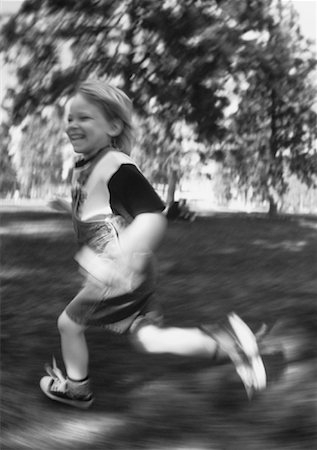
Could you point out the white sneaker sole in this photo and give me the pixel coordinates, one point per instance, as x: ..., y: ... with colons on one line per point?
x: 254, y: 376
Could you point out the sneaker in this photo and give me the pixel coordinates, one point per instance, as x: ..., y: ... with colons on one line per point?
x: 237, y: 340
x: 56, y: 387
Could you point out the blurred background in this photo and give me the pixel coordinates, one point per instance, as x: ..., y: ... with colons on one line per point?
x: 224, y: 93
x: 225, y: 101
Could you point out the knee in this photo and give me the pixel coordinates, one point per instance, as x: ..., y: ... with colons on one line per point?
x: 66, y: 325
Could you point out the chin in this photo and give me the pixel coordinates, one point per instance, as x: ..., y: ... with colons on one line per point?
x: 80, y: 150
x: 85, y: 153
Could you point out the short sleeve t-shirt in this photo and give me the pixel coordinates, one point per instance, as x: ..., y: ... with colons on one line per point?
x: 130, y: 190
x: 113, y: 184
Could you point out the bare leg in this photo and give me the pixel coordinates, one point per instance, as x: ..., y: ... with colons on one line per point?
x: 74, y: 347
x: 237, y: 342
x: 178, y: 341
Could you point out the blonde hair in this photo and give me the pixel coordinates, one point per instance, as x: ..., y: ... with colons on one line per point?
x: 115, y: 104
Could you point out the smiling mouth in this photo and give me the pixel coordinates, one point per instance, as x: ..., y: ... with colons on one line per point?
x: 76, y: 138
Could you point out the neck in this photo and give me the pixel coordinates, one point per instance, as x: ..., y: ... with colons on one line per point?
x: 101, y: 150
x: 86, y: 159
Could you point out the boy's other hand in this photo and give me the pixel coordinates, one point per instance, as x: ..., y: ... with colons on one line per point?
x: 60, y: 204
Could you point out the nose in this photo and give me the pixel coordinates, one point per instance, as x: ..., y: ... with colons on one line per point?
x: 71, y: 126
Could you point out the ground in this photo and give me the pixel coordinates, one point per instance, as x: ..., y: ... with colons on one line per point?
x: 263, y: 269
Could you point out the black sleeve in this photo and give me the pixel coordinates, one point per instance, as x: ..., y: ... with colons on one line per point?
x: 131, y: 192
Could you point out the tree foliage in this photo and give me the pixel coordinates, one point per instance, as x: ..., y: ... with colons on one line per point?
x: 175, y: 60
x: 273, y: 132
x: 176, y: 53
x: 171, y: 57
x: 38, y: 154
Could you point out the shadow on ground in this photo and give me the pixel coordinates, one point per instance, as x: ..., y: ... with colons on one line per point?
x: 263, y: 269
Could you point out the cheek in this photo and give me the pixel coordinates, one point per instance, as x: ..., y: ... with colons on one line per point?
x: 101, y: 133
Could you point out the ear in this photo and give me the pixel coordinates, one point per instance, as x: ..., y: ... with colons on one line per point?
x: 116, y: 127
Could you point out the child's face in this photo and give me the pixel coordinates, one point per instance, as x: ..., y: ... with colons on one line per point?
x: 87, y: 128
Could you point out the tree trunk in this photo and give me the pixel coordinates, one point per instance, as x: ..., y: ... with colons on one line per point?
x: 172, y: 183
x: 272, y: 206
x: 272, y: 155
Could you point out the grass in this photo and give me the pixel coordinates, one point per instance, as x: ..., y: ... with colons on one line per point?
x: 263, y: 269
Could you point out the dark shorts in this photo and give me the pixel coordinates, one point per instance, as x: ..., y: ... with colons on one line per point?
x: 95, y: 305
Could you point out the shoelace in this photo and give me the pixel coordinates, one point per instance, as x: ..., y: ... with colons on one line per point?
x: 60, y: 382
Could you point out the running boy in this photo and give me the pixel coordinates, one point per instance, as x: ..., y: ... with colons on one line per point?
x: 119, y: 222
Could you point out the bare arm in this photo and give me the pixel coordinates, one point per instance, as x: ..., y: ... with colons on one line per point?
x: 138, y: 241
x: 144, y: 234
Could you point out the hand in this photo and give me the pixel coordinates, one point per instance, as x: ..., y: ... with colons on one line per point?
x: 60, y: 205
